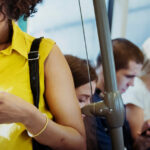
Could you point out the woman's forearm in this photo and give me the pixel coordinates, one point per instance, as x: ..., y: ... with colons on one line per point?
x: 55, y: 135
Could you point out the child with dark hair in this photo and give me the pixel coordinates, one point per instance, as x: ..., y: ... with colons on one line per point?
x: 81, y: 79
x: 18, y: 115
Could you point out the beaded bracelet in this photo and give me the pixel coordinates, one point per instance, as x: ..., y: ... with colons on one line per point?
x: 37, y: 134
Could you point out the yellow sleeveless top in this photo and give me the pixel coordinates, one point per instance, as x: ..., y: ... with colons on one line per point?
x: 14, y: 78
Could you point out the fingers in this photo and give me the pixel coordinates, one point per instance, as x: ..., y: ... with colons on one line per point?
x: 146, y: 125
x: 148, y: 133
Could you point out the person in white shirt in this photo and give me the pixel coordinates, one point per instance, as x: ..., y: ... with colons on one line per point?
x: 137, y: 100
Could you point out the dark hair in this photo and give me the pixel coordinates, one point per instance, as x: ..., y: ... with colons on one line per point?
x: 79, y: 70
x: 13, y: 9
x: 124, y: 51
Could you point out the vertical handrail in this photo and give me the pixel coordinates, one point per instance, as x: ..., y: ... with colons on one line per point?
x: 105, y: 44
x: 110, y: 12
x: 112, y: 97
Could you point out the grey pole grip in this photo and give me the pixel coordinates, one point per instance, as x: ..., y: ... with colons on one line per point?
x: 112, y: 106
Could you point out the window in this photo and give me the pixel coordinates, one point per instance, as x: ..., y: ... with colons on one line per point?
x: 61, y: 21
x: 138, y: 21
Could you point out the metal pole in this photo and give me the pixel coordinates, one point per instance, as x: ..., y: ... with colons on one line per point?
x: 106, y: 45
x: 112, y: 98
x: 110, y: 12
x: 117, y: 143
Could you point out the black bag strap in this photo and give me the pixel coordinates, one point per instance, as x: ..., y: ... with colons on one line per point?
x: 33, y: 59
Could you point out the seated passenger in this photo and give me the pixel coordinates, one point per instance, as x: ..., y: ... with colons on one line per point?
x: 128, y: 63
x: 137, y: 100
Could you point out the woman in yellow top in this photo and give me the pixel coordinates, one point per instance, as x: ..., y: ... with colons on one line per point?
x: 17, y: 112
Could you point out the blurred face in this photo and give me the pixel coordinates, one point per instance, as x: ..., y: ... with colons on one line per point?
x: 125, y: 77
x: 84, y: 93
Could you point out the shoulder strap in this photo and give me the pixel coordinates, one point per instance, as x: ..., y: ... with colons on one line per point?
x: 33, y: 59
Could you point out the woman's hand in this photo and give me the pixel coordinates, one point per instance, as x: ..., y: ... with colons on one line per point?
x: 12, y: 108
x: 146, y: 127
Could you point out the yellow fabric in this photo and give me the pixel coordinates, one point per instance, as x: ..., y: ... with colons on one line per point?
x: 14, y: 78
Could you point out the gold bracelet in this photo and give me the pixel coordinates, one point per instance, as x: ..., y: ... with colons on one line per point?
x: 37, y: 134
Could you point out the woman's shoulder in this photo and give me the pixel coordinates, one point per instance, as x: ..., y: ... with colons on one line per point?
x: 46, y: 47
x: 46, y: 43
